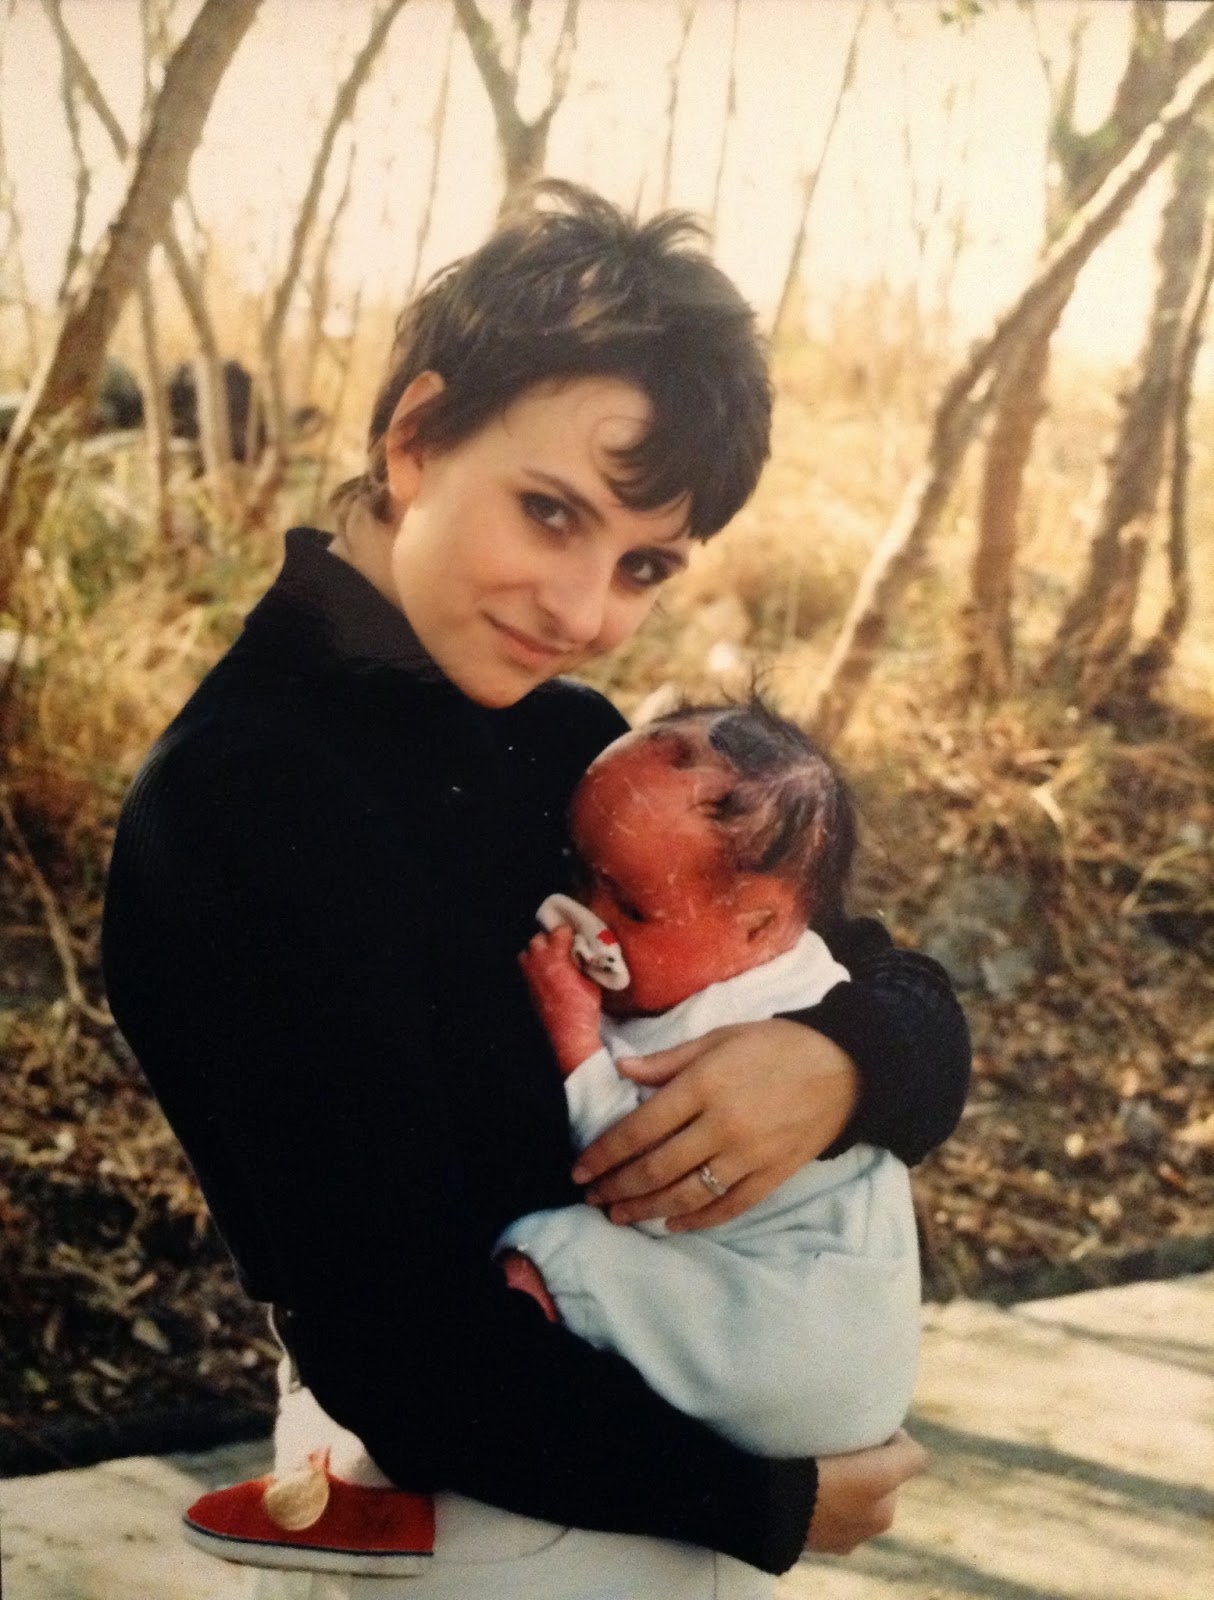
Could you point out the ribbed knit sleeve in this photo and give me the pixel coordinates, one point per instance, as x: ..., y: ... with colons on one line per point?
x: 900, y: 1022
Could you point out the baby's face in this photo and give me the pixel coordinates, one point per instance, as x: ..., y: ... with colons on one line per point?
x: 660, y: 878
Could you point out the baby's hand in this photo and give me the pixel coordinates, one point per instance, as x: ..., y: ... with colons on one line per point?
x: 569, y: 1004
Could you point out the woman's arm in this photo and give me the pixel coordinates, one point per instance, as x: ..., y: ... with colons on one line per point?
x: 883, y: 1059
x: 901, y: 1024
x: 275, y: 991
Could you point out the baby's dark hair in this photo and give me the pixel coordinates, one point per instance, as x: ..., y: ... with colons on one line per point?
x: 790, y: 813
x: 568, y: 286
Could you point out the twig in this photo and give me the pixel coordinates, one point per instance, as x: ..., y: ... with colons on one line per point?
x: 55, y: 924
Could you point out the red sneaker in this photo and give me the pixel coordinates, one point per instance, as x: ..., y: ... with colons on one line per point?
x: 312, y: 1521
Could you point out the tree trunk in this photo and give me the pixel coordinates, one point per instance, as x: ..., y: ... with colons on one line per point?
x: 155, y: 411
x: 214, y: 429
x: 731, y: 111
x: 1081, y: 162
x: 522, y: 145
x: 272, y: 468
x: 988, y: 623
x: 782, y: 321
x: 1094, y: 636
x: 70, y: 370
x: 963, y: 405
x: 687, y: 16
x: 82, y: 182
x: 438, y: 129
x: 1153, y: 661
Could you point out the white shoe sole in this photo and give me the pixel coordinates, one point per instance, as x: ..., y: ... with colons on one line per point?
x: 307, y: 1558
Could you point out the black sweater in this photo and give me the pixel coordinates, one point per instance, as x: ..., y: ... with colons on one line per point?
x: 321, y: 877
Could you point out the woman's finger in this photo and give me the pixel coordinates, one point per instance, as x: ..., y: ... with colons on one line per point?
x: 741, y: 1196
x: 637, y: 1133
x: 663, y: 1065
x: 659, y: 1169
x: 681, y: 1199
x: 689, y: 1206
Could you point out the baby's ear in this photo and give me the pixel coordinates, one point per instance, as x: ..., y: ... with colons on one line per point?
x: 766, y: 906
x: 756, y: 920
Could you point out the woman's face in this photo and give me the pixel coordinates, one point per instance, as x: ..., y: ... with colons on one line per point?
x: 512, y: 557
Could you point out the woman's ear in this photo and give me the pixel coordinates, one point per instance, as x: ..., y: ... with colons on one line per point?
x: 402, y: 454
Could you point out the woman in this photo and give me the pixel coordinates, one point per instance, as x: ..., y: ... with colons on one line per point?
x: 325, y: 870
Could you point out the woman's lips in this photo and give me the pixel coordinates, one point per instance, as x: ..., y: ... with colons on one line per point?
x: 526, y: 648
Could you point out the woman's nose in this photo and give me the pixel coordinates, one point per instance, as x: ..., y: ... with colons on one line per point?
x: 576, y: 598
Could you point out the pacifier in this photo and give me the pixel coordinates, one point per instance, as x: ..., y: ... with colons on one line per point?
x: 595, y: 948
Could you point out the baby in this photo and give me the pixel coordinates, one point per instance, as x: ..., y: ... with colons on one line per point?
x: 711, y: 842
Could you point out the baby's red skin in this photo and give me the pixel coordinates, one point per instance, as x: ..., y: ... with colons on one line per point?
x: 569, y: 1004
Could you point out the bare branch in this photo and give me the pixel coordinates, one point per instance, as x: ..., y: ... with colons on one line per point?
x: 966, y: 398
x: 85, y: 81
x: 70, y: 370
x: 438, y: 129
x: 731, y: 111
x: 271, y: 338
x: 809, y: 182
x: 343, y: 106
x: 82, y: 181
x: 1156, y: 656
x: 562, y: 61
x: 521, y: 143
x: 56, y: 926
x: 501, y: 83
x: 213, y: 420
x: 687, y: 14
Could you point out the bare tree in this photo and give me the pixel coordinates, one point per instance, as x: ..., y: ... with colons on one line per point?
x: 319, y: 287
x: 274, y: 463
x: 727, y: 121
x: 981, y: 380
x: 781, y: 323
x: 81, y: 176
x: 214, y: 429
x: 1149, y: 665
x: 438, y: 129
x: 1078, y: 164
x: 13, y: 288
x: 674, y: 72
x: 1094, y: 637
x: 69, y: 372
x: 155, y: 409
x: 523, y: 145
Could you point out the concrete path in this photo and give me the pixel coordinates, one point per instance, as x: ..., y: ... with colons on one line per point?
x: 1072, y: 1447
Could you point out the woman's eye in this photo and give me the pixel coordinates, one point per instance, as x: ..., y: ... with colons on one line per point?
x: 644, y: 570
x: 548, y: 512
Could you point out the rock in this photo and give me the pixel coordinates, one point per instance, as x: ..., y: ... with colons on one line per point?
x: 988, y: 932
x: 1142, y: 1125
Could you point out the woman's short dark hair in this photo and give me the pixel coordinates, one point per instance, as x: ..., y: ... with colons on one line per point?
x: 570, y: 287
x: 790, y: 813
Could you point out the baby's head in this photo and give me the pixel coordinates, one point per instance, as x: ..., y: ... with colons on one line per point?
x: 710, y: 840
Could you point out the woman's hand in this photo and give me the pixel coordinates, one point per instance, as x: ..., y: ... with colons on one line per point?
x: 752, y: 1103
x: 857, y: 1493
